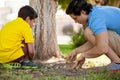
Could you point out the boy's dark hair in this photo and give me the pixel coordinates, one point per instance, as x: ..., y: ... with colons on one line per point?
x: 27, y: 11
x: 76, y: 6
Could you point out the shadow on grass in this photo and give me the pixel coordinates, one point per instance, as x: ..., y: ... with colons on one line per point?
x: 58, y: 72
x: 55, y: 73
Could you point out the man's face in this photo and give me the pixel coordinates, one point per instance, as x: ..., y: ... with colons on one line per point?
x: 82, y: 19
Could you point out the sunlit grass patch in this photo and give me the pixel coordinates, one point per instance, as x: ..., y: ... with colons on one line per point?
x: 65, y: 48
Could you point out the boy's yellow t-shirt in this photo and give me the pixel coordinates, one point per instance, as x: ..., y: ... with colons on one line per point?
x: 11, y: 36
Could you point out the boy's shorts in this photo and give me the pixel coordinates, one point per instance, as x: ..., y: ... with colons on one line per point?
x: 25, y: 51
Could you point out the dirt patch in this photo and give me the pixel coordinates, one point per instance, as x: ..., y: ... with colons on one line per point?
x: 63, y: 68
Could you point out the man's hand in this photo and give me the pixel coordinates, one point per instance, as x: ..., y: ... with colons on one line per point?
x: 72, y: 56
x: 79, y: 62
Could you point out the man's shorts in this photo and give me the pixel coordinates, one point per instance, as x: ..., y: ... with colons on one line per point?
x: 114, y: 41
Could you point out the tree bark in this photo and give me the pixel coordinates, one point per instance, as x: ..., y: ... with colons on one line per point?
x: 45, y: 31
x: 117, y: 3
x: 114, y: 3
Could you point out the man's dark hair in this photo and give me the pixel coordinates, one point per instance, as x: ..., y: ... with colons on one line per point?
x: 27, y: 11
x: 76, y: 6
x: 105, y: 2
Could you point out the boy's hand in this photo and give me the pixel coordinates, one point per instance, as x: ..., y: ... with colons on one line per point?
x: 79, y: 62
x: 72, y: 56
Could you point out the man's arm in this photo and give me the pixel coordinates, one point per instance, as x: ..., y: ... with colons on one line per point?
x: 86, y: 46
x: 101, y: 46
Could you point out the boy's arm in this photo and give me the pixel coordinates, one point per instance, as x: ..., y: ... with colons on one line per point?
x: 30, y: 50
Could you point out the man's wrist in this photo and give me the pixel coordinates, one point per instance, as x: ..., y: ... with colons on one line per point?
x: 82, y: 56
x: 76, y: 52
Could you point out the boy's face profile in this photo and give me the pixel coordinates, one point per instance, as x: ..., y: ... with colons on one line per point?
x: 30, y: 21
x: 82, y: 18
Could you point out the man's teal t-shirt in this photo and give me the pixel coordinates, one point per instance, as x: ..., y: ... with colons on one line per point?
x: 102, y: 18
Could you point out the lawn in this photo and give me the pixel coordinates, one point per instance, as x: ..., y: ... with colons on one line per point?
x: 60, y: 71
x: 20, y: 74
x: 65, y: 48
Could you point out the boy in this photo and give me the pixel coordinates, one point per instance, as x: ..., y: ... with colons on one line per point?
x: 16, y: 39
x: 102, y: 32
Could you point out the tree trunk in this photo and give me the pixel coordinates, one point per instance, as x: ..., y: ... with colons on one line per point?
x: 45, y: 31
x: 117, y: 3
x: 114, y: 3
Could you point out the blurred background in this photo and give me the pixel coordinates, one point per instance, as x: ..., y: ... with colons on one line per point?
x: 64, y: 24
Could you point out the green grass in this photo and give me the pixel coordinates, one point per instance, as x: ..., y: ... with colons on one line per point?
x: 66, y: 48
x: 91, y: 76
x: 9, y: 74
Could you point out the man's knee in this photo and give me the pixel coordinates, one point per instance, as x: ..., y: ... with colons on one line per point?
x: 88, y: 32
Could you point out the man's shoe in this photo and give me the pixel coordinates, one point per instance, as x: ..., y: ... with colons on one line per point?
x: 114, y: 67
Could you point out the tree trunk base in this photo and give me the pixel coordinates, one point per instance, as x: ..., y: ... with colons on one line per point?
x: 52, y: 60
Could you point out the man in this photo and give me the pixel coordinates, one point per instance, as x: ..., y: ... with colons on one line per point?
x: 102, y: 32
x: 16, y: 39
x: 102, y: 2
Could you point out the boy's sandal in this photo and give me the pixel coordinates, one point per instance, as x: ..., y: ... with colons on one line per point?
x: 29, y: 66
x: 12, y: 65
